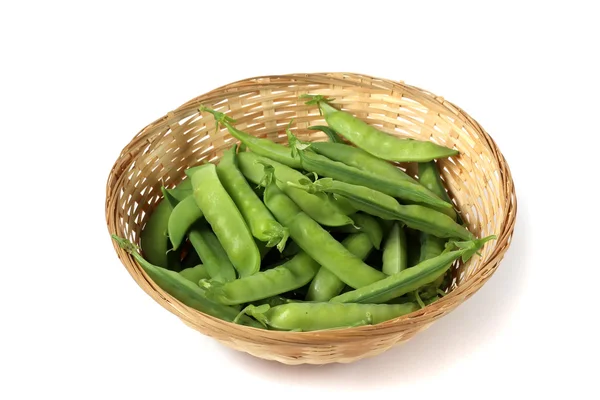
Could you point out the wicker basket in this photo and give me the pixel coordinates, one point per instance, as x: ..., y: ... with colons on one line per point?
x: 479, y: 182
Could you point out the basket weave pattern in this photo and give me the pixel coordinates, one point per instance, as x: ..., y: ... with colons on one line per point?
x: 478, y: 180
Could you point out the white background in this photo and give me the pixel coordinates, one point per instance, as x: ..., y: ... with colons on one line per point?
x: 79, y: 80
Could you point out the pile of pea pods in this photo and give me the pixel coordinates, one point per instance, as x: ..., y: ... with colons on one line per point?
x: 310, y: 235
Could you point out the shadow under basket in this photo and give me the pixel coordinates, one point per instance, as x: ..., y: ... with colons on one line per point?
x: 478, y: 181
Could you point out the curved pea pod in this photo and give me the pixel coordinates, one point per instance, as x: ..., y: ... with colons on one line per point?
x: 367, y: 224
x: 322, y: 208
x: 195, y: 274
x: 402, y: 189
x: 263, y: 147
x: 185, y: 291
x: 183, y: 216
x: 292, y: 275
x: 153, y: 238
x: 211, y: 252
x: 226, y: 220
x: 412, y: 279
x: 395, y: 255
x: 376, y: 142
x: 317, y: 242
x: 326, y: 284
x: 384, y: 206
x: 261, y: 222
x: 305, y: 317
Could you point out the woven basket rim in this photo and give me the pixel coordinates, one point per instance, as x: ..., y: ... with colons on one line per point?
x: 341, y: 334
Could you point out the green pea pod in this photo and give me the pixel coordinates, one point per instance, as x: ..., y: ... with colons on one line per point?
x: 263, y: 147
x: 261, y: 222
x: 211, y: 252
x: 429, y: 177
x: 358, y: 158
x: 395, y: 256
x: 384, y: 206
x: 183, y: 290
x: 432, y: 246
x: 305, y: 317
x: 183, y: 216
x: 153, y: 238
x: 376, y: 142
x: 317, y: 242
x: 226, y: 220
x: 402, y: 189
x: 321, y: 208
x: 292, y: 275
x: 326, y: 284
x: 367, y: 224
x: 331, y: 134
x: 412, y: 279
x: 195, y: 274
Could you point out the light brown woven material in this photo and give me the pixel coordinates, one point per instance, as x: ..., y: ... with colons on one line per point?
x: 478, y: 180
